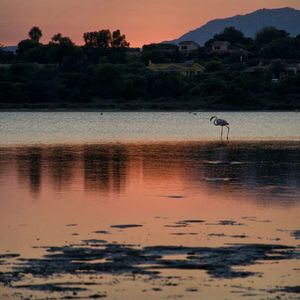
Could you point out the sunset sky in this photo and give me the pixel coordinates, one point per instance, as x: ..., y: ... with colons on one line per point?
x: 143, y: 21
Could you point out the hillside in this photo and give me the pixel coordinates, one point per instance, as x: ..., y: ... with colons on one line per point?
x: 281, y: 18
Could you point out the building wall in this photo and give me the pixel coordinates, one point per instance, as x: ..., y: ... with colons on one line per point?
x: 188, y: 47
x: 224, y: 47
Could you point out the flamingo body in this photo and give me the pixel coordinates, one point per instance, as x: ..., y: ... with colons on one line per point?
x: 222, y: 123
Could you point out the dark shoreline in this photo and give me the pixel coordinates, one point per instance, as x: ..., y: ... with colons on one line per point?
x: 233, y: 144
x: 139, y: 110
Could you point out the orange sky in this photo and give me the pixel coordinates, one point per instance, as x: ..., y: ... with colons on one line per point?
x: 143, y: 21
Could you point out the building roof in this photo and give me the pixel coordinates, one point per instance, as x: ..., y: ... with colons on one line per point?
x: 173, y: 67
x: 189, y: 43
x: 220, y: 43
x: 290, y: 66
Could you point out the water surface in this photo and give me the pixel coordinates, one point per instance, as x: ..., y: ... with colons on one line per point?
x: 94, y: 127
x: 137, y: 212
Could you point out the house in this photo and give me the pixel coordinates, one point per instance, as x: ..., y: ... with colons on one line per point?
x: 5, y: 66
x: 133, y: 52
x: 188, y: 69
x: 188, y: 46
x: 293, y: 69
x: 220, y: 47
x: 285, y: 70
x: 259, y: 69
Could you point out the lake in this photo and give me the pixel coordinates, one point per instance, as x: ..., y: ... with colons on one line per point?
x: 93, y: 127
x: 149, y: 206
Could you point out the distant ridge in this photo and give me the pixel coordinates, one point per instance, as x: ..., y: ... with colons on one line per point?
x: 282, y: 18
x: 10, y: 48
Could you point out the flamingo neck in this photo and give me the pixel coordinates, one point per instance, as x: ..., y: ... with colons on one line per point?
x: 215, y: 121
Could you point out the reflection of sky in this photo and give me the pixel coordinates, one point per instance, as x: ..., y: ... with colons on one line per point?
x: 265, y: 172
x: 96, y: 186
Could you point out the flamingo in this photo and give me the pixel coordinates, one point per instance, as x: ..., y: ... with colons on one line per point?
x: 222, y: 123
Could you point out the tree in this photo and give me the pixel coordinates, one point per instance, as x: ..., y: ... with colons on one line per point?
x: 231, y: 35
x: 35, y: 34
x: 269, y: 34
x: 56, y: 38
x: 104, y: 39
x: 166, y: 84
x: 5, y: 56
x: 161, y: 53
x: 35, y: 55
x: 107, y: 81
x: 63, y: 51
x: 119, y: 40
x: 278, y: 66
x: 214, y: 65
x: 26, y: 45
x: 98, y: 39
x: 288, y: 48
x: 212, y: 86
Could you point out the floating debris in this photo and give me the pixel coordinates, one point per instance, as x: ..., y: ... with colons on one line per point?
x: 124, y: 226
x: 94, y: 241
x: 9, y: 255
x: 229, y: 223
x: 177, y: 225
x: 289, y: 289
x: 52, y: 287
x: 217, y: 234
x: 102, y: 232
x: 129, y: 259
x: 190, y: 221
x: 218, y: 179
x: 174, y: 196
x: 241, y: 236
x: 296, y: 234
x: 192, y: 290
x: 184, y: 233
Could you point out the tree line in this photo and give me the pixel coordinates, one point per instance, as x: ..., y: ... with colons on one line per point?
x: 106, y: 73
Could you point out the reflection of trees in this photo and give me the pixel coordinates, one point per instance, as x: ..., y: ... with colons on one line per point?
x: 96, y: 168
x: 61, y: 163
x: 268, y: 172
x: 30, y: 168
x: 161, y: 161
x: 6, y: 160
x: 264, y: 170
x: 105, y: 168
x: 119, y: 168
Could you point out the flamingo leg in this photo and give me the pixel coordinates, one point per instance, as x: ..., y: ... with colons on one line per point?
x: 222, y: 133
x: 228, y: 132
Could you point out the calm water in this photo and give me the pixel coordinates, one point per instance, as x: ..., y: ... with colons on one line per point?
x: 92, y: 127
x: 66, y: 180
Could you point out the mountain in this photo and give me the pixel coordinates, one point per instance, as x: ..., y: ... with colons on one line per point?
x: 10, y: 48
x: 281, y: 18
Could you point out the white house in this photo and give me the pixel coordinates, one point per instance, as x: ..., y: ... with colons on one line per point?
x: 188, y: 46
x: 220, y: 46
